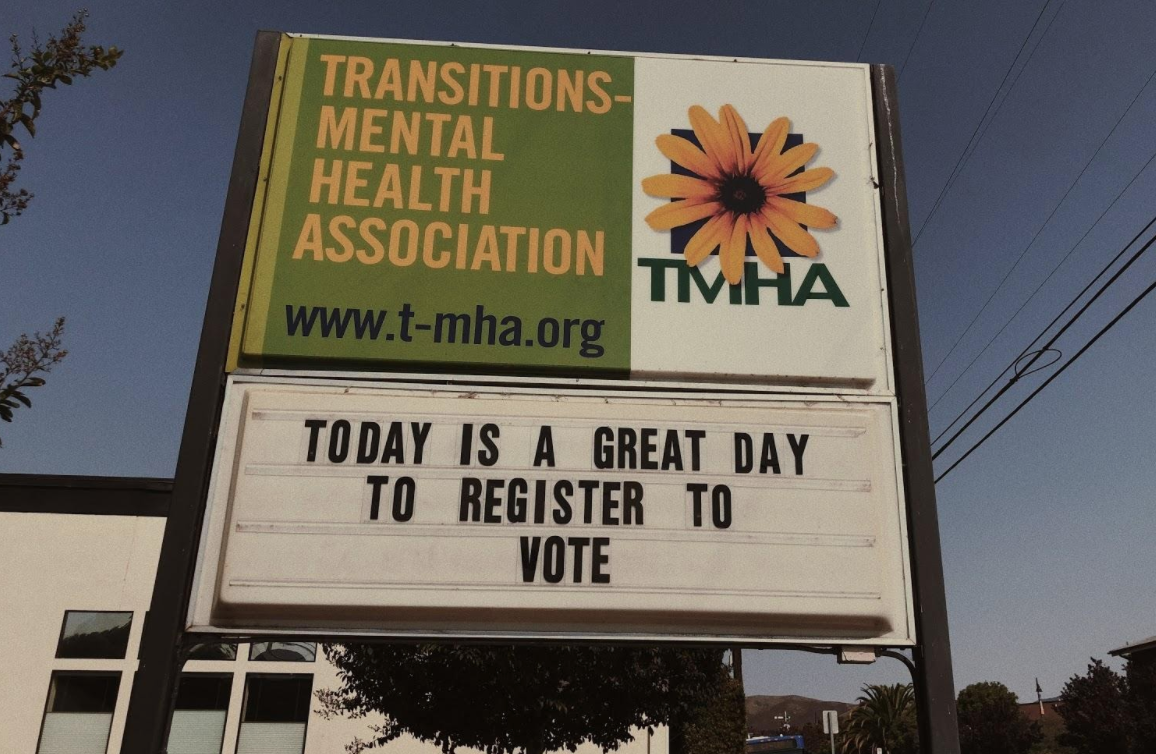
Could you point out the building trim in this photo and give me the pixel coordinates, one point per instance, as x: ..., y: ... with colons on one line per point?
x: 85, y: 495
x: 1126, y: 651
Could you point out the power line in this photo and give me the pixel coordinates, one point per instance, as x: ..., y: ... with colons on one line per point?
x: 999, y: 106
x: 1039, y: 230
x: 918, y: 33
x: 870, y: 26
x: 1048, y: 381
x: 1056, y: 319
x: 1037, y: 289
x: 1047, y: 345
x: 965, y: 155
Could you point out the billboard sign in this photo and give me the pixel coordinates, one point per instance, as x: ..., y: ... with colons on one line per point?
x: 405, y: 510
x: 536, y: 212
x: 520, y: 214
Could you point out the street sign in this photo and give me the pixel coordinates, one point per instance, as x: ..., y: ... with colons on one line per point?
x: 830, y: 721
x: 410, y: 510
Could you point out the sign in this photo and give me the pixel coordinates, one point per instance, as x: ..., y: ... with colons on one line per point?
x: 830, y: 721
x: 543, y: 212
x: 337, y: 508
x: 434, y: 208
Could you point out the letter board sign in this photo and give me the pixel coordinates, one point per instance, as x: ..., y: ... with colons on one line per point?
x: 376, y: 510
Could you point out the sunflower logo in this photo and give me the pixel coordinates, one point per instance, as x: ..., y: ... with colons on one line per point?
x: 742, y: 191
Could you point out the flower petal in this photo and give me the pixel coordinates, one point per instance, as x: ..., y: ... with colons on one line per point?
x: 770, y: 144
x: 734, y: 250
x: 740, y: 137
x: 677, y: 186
x: 681, y: 212
x: 713, y: 138
x: 789, y: 232
x: 789, y: 161
x: 805, y: 181
x: 683, y: 152
x: 803, y: 214
x: 706, y: 239
x: 765, y: 247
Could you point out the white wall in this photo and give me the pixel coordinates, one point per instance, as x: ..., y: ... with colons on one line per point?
x: 50, y: 563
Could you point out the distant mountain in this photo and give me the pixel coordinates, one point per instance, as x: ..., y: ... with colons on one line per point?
x: 765, y: 713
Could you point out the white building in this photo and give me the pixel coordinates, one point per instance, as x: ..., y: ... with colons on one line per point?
x: 78, y: 557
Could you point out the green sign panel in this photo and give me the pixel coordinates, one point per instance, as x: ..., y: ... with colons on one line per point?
x: 442, y: 205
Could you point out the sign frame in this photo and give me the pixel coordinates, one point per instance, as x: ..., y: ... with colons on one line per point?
x: 164, y: 642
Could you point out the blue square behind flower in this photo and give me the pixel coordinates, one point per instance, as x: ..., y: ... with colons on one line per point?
x: 681, y: 235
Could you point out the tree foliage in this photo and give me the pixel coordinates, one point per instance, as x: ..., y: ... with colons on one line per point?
x: 526, y: 699
x: 885, y: 719
x: 716, y: 726
x: 990, y: 721
x: 23, y: 362
x: 43, y: 66
x: 1093, y: 707
x: 1140, y: 679
x: 815, y: 741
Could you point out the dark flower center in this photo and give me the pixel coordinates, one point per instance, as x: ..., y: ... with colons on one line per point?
x: 741, y: 194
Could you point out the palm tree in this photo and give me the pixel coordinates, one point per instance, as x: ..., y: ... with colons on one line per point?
x: 884, y: 719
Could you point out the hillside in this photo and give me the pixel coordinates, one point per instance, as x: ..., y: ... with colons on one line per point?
x: 763, y: 710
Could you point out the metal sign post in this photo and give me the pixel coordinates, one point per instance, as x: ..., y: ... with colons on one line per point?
x: 934, y: 684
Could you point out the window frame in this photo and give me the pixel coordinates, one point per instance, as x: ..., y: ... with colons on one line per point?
x: 236, y: 645
x: 245, y: 699
x: 270, y: 645
x: 227, y: 676
x: 119, y: 675
x: 64, y: 625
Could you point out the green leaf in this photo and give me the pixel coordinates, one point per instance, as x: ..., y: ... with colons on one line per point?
x: 34, y: 382
x: 22, y: 398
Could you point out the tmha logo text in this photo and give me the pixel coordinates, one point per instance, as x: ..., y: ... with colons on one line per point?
x: 817, y: 283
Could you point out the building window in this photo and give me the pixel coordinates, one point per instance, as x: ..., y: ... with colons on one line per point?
x: 199, y: 717
x: 97, y: 635
x: 78, y: 715
x: 283, y: 651
x: 274, y: 714
x: 212, y: 651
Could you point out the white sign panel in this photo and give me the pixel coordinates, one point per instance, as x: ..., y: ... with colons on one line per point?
x: 818, y: 320
x: 394, y: 510
x: 830, y: 721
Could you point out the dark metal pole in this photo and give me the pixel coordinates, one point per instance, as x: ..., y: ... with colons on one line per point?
x: 934, y: 684
x: 154, y: 686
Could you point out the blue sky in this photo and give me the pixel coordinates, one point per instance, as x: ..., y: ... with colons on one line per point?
x: 1047, y: 530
